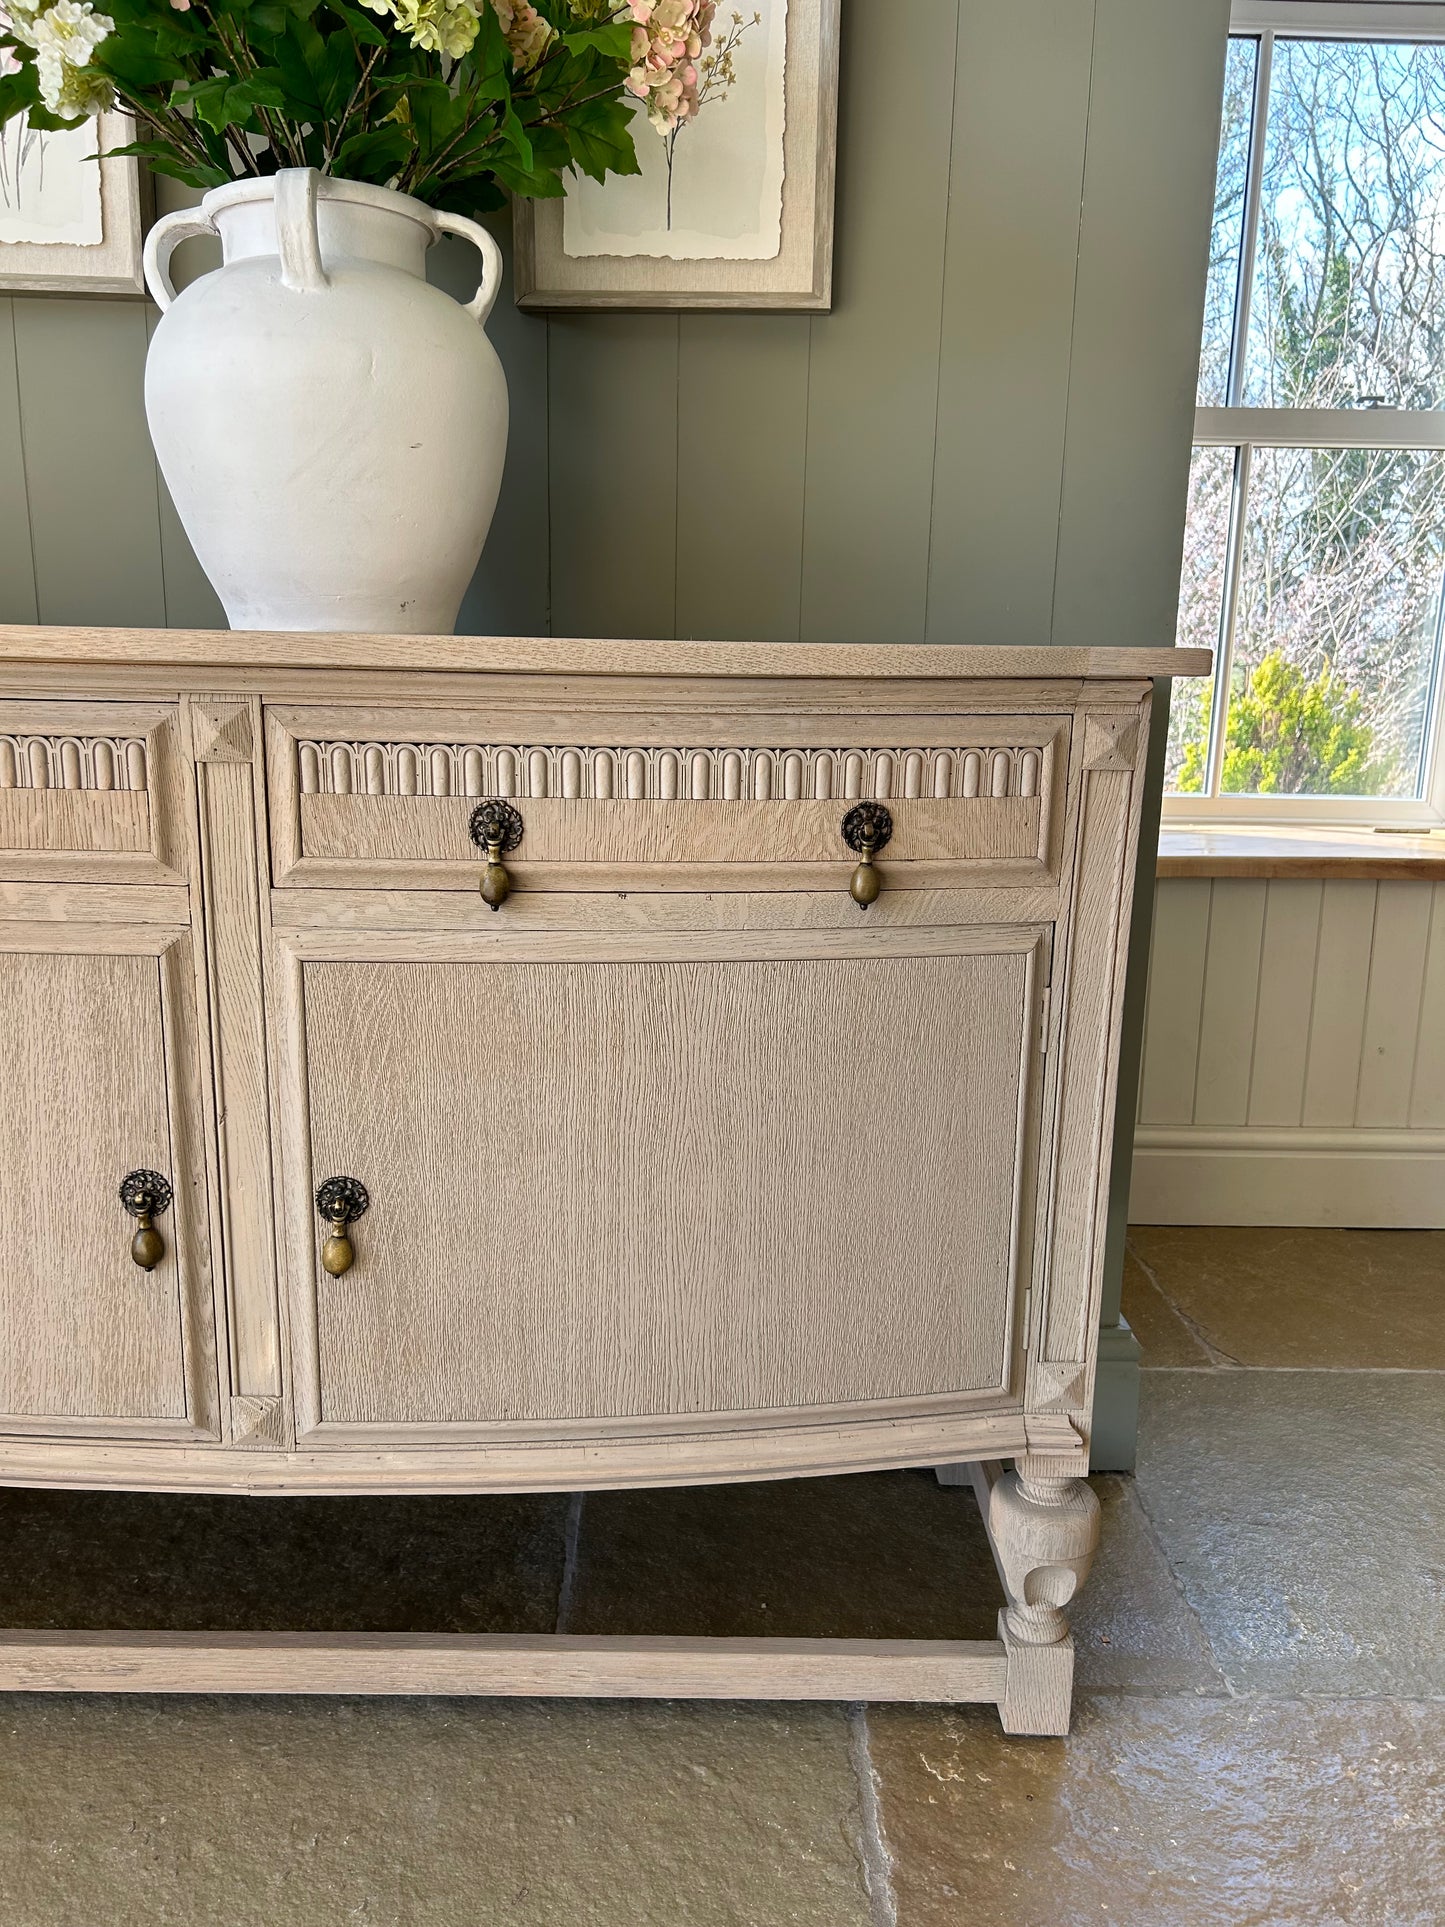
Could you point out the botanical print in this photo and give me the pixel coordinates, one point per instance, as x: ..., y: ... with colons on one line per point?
x: 711, y: 185
x: 49, y: 186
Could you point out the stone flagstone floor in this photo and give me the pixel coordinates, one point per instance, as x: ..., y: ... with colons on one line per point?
x: 1260, y: 1730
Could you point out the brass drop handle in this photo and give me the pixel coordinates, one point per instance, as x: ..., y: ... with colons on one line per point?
x: 496, y: 828
x: 866, y: 829
x: 147, y: 1196
x: 341, y: 1201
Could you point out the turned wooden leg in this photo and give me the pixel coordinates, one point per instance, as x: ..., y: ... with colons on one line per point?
x: 1044, y: 1532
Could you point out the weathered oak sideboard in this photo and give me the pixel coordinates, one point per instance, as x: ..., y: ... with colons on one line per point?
x: 455, y: 1065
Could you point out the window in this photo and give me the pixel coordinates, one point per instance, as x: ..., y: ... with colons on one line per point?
x: 1314, y: 554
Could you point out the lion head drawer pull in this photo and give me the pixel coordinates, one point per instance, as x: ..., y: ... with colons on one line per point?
x: 496, y: 828
x: 866, y: 829
x: 341, y: 1201
x: 146, y: 1195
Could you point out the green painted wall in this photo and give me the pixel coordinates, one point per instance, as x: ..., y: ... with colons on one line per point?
x: 985, y: 441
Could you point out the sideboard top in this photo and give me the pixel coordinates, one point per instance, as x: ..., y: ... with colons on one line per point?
x: 503, y: 655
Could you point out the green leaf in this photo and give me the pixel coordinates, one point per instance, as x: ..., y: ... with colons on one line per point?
x: 338, y: 74
x: 18, y: 92
x: 376, y: 155
x: 538, y: 185
x: 362, y: 25
x: 599, y: 135
x: 44, y: 122
x: 296, y: 70
x: 164, y: 160
x: 128, y: 60
x: 517, y: 134
x: 613, y: 41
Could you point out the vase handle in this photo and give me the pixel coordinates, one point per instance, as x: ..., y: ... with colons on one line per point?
x: 297, y: 241
x: 163, y: 239
x: 480, y: 305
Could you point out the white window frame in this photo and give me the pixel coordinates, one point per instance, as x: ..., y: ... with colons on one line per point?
x: 1239, y: 428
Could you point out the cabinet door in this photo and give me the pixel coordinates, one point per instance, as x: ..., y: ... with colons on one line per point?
x: 97, y: 1037
x: 637, y: 1183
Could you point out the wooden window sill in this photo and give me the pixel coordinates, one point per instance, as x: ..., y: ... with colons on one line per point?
x: 1307, y: 853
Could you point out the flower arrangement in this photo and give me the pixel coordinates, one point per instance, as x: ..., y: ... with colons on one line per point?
x: 458, y: 102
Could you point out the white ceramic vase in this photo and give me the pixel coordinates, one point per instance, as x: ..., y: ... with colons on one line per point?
x: 331, y: 427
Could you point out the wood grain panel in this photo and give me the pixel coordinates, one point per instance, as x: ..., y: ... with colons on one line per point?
x: 743, y: 387
x: 1284, y: 1002
x: 873, y: 366
x: 538, y: 1247
x: 86, y: 1335
x: 17, y: 564
x: 612, y: 447
x: 1176, y: 997
x: 230, y: 830
x: 90, y: 474
x: 1227, y: 1010
x: 88, y: 821
x: 401, y: 829
x: 1019, y: 115
x: 1337, y: 1023
x: 549, y: 1664
x: 1393, y: 1004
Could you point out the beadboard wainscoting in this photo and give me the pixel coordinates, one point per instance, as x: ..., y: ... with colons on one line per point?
x: 1294, y: 1054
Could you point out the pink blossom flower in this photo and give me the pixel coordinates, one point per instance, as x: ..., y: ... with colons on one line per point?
x: 667, y: 37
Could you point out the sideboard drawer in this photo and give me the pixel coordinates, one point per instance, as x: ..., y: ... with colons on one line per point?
x: 90, y: 793
x: 657, y: 805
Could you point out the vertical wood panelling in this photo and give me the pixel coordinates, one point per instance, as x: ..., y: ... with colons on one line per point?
x: 1226, y: 1018
x: 508, y: 594
x: 742, y: 388
x: 612, y: 449
x: 1427, y: 1096
x: 17, y: 569
x: 1021, y: 110
x: 1342, y: 979
x: 1392, y: 1004
x: 89, y: 471
x: 1176, y: 995
x: 1329, y: 997
x: 1143, y: 250
x: 1286, y: 997
x: 873, y: 362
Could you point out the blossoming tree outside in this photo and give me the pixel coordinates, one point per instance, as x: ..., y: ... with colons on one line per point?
x: 457, y: 102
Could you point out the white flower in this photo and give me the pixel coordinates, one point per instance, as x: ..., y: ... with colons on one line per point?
x: 71, y: 30
x: 81, y: 91
x: 64, y: 37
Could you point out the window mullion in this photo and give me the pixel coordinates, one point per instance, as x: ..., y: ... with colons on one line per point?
x: 1224, y: 659
x: 1249, y: 236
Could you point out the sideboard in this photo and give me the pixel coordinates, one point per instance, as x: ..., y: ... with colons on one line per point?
x: 460, y: 1065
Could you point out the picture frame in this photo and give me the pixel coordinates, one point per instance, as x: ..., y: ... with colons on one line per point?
x: 109, y: 264
x: 782, y: 262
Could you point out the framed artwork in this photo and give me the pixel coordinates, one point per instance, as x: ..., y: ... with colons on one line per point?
x: 733, y: 209
x: 69, y: 223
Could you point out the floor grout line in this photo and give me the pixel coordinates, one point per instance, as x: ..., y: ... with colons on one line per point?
x: 1218, y: 1359
x: 1156, y: 1539
x: 571, y: 1537
x: 872, y: 1846
x: 1355, y: 1371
